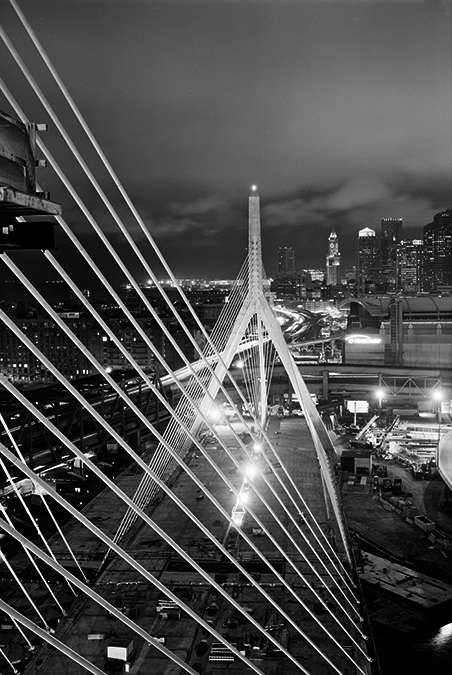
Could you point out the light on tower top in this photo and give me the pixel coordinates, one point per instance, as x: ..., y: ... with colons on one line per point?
x: 254, y: 188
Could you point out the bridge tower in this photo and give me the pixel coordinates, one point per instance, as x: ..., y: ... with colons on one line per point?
x: 257, y: 319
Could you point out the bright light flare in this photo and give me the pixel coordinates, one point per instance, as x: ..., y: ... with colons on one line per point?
x: 214, y: 414
x: 250, y: 471
x: 437, y: 395
x: 238, y: 514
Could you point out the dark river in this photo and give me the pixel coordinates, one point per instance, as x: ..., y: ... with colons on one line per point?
x: 424, y: 653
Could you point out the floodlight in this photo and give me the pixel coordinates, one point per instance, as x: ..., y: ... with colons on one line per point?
x: 250, y: 471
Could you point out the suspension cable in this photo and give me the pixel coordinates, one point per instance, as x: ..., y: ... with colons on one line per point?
x: 145, y: 467
x: 104, y: 160
x: 13, y: 667
x: 126, y: 557
x: 5, y: 513
x: 144, y: 420
x: 64, y: 649
x: 40, y: 144
x: 181, y: 323
x: 4, y: 560
x: 60, y: 532
x: 126, y: 234
x: 174, y: 544
x: 22, y: 501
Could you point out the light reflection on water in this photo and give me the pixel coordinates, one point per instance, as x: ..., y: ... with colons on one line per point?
x: 443, y: 639
x: 419, y: 653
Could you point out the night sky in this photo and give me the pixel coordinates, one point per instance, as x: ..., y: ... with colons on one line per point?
x: 340, y: 111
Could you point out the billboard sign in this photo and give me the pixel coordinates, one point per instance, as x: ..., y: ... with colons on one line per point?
x: 363, y: 339
x: 358, y: 406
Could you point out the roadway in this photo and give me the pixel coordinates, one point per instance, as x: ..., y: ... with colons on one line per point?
x: 58, y: 405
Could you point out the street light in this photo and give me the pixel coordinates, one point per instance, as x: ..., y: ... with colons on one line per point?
x: 437, y: 396
x: 214, y: 415
x: 250, y: 471
x: 380, y: 393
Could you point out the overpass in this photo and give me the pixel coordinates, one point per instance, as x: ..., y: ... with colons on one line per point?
x: 72, y: 419
x: 398, y: 384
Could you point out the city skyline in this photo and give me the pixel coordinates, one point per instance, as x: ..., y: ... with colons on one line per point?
x: 295, y: 266
x: 333, y: 109
x: 365, y: 261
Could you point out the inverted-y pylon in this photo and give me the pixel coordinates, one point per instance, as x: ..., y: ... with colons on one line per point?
x: 256, y: 310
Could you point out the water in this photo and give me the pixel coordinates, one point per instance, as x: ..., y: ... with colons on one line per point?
x: 426, y: 653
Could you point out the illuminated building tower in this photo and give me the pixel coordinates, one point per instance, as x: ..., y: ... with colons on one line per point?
x: 390, y: 238
x: 409, y: 265
x: 287, y: 283
x: 366, y: 261
x: 286, y: 260
x: 437, y: 269
x: 333, y: 261
x: 394, y: 346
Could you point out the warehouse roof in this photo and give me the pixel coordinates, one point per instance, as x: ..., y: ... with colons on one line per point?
x: 418, y: 306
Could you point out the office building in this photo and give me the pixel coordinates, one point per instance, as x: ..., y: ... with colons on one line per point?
x: 366, y: 261
x: 286, y: 260
x: 390, y: 238
x: 409, y: 265
x: 333, y: 261
x: 316, y: 275
x: 132, y: 342
x: 437, y: 271
x: 21, y: 365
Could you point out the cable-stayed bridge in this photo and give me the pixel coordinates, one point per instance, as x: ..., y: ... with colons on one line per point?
x: 222, y: 547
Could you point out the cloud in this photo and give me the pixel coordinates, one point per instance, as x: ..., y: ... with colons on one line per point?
x: 201, y: 217
x: 339, y: 113
x: 359, y: 191
x: 328, y: 203
x: 198, y: 207
x: 169, y: 227
x: 295, y: 212
x: 351, y: 205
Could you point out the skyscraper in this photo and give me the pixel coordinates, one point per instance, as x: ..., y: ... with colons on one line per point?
x: 409, y: 265
x: 437, y: 270
x: 286, y: 260
x: 333, y: 260
x: 390, y: 238
x: 366, y: 260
